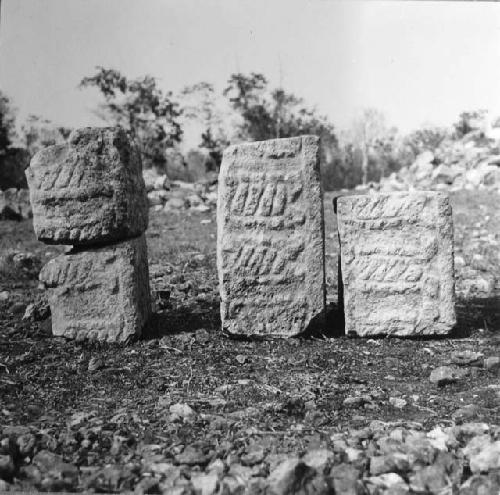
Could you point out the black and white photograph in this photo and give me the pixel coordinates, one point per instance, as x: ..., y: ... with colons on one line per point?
x: 250, y: 247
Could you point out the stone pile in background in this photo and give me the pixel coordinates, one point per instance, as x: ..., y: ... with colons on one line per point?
x: 167, y: 195
x: 470, y: 163
x: 90, y: 194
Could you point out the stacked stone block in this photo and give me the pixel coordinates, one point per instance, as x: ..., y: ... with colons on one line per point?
x: 89, y: 193
x: 270, y: 238
x: 396, y: 264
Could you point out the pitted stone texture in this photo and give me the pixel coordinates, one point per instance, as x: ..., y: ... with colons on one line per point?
x: 100, y: 293
x: 88, y: 191
x: 270, y: 238
x: 396, y: 253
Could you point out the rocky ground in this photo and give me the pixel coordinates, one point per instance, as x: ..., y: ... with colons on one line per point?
x: 187, y: 410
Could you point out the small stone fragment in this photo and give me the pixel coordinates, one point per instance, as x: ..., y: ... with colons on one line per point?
x: 148, y: 486
x: 355, y: 401
x: 346, y: 479
x: 486, y: 459
x: 110, y: 479
x: 447, y: 374
x: 6, y: 467
x: 394, y: 462
x: 192, y: 456
x: 205, y: 484
x: 387, y: 481
x: 254, y: 455
x: 319, y: 459
x: 397, y: 402
x: 429, y: 479
x: 26, y: 444
x: 101, y: 293
x: 467, y: 358
x: 270, y: 238
x: 480, y: 484
x: 38, y: 311
x: 396, y: 264
x: 440, y: 439
x: 466, y: 413
x: 88, y: 191
x: 95, y: 364
x: 291, y: 474
x: 55, y: 475
x: 182, y: 411
x: 492, y: 363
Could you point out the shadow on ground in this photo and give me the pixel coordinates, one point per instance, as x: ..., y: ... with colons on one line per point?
x: 472, y: 315
x: 182, y: 319
x: 477, y: 313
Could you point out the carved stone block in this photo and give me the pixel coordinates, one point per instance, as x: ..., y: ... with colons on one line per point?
x: 99, y: 293
x: 396, y: 254
x: 270, y: 238
x: 89, y: 191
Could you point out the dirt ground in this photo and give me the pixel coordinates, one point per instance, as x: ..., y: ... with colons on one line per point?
x: 288, y: 394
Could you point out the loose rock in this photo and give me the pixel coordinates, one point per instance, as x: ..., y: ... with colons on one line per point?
x: 447, y: 374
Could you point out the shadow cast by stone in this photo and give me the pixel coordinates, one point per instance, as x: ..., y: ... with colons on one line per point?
x: 181, y: 320
x: 331, y: 324
x: 477, y: 313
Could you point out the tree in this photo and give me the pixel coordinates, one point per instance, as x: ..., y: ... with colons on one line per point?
x: 369, y: 132
x: 199, y: 104
x: 140, y: 106
x: 7, y: 123
x: 247, y: 96
x: 469, y: 121
x: 13, y: 160
x: 271, y: 114
x: 37, y: 133
x: 427, y: 138
x: 268, y: 114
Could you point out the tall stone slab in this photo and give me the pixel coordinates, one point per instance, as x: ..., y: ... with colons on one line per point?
x: 270, y: 238
x: 396, y: 258
x: 88, y: 191
x: 99, y: 293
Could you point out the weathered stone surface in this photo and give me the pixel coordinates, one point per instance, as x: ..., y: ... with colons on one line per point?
x: 270, y: 237
x: 88, y: 191
x: 100, y: 293
x: 397, y: 263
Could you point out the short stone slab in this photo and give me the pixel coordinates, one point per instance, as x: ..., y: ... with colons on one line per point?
x: 100, y: 293
x: 396, y: 258
x: 88, y: 191
x: 270, y: 238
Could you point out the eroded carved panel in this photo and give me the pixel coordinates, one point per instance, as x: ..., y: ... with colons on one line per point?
x: 270, y: 244
x: 397, y: 263
x: 88, y: 191
x: 100, y: 293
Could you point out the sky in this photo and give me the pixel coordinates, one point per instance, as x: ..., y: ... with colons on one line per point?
x: 417, y: 62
